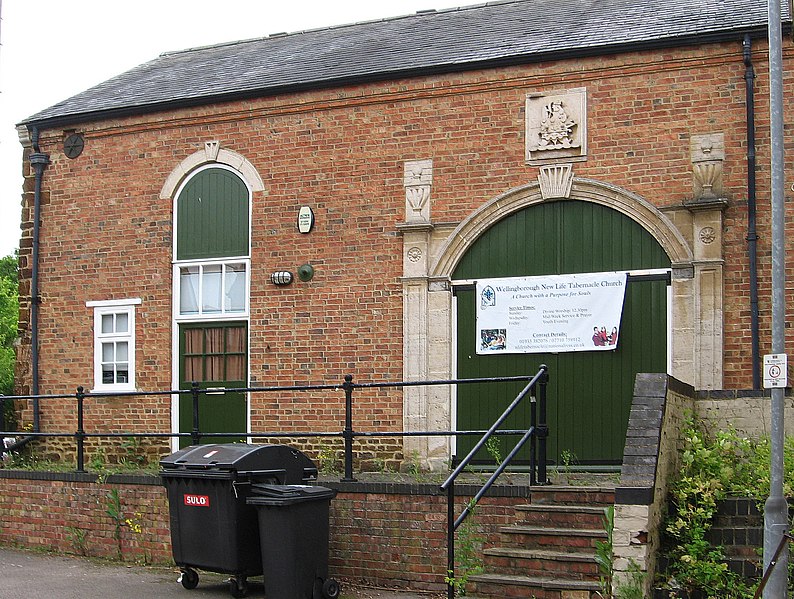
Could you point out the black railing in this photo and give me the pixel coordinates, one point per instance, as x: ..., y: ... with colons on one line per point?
x: 538, y: 431
x: 348, y: 434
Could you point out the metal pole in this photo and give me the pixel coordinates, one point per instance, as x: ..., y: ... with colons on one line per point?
x: 347, y: 434
x: 451, y: 541
x: 543, y: 429
x: 80, y: 433
x: 196, y: 433
x: 776, y: 509
x: 533, y: 444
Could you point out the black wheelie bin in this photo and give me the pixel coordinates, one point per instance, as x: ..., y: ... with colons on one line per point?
x: 212, y: 527
x: 293, y: 529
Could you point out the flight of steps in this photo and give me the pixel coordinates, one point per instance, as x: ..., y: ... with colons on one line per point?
x: 549, y: 552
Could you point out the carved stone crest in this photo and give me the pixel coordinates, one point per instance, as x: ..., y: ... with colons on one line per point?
x: 556, y: 126
x: 707, y: 235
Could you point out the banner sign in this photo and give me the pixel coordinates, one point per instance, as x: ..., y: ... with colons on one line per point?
x: 553, y: 313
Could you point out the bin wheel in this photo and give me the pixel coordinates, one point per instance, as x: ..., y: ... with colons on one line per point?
x: 189, y: 578
x: 238, y: 587
x: 331, y: 589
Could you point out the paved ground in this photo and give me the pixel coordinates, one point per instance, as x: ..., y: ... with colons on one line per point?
x: 39, y: 576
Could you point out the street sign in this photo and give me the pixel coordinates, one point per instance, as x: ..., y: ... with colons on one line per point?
x: 775, y: 371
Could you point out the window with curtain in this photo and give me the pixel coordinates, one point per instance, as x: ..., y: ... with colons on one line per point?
x: 213, y: 289
x: 215, y: 353
x: 212, y: 266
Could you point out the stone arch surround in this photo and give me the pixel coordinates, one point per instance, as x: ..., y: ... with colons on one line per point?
x: 695, y: 342
x: 211, y: 154
x: 514, y: 200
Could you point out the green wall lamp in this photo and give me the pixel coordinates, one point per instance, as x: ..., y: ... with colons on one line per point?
x: 306, y: 272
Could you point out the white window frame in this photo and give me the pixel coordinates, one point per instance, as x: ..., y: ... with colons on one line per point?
x: 200, y: 315
x: 103, y: 308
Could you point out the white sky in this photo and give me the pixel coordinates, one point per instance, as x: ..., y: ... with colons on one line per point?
x: 53, y: 49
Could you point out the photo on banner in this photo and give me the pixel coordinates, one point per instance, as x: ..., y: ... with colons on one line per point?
x: 551, y: 313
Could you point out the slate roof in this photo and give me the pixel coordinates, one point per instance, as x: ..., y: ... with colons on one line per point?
x: 505, y: 32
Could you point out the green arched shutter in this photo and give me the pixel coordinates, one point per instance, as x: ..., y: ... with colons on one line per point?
x: 212, y: 216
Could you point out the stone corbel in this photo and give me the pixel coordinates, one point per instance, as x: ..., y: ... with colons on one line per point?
x: 707, y: 154
x: 417, y: 180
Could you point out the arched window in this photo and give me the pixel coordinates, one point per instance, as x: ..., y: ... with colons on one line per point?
x: 212, y: 246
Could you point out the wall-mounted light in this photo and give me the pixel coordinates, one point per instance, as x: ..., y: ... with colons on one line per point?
x: 305, y: 272
x: 281, y: 277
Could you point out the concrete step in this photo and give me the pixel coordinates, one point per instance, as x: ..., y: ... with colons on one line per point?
x: 568, y: 495
x: 566, y: 516
x: 541, y: 537
x: 530, y: 587
x: 559, y: 564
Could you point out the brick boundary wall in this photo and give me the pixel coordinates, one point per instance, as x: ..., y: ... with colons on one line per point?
x: 381, y: 533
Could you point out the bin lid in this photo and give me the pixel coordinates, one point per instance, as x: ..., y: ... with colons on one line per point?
x: 280, y: 495
x: 286, y: 464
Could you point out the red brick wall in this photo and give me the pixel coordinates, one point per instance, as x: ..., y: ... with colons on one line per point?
x: 105, y: 234
x: 40, y: 514
x: 394, y: 538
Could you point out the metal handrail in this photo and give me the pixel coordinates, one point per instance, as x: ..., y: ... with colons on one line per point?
x: 536, y: 429
x: 348, y: 434
x: 771, y: 567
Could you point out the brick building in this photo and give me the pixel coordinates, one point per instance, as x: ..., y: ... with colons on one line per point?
x: 388, y: 166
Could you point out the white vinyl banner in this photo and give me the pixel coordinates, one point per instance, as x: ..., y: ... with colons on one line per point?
x: 553, y: 313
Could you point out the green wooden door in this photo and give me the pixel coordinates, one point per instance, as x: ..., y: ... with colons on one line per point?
x: 215, y: 356
x: 589, y: 392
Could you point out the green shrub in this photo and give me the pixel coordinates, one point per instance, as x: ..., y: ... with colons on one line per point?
x: 714, y: 467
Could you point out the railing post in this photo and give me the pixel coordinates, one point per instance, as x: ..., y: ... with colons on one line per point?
x: 196, y: 433
x: 543, y: 429
x: 347, y: 433
x: 79, y: 435
x: 2, y: 414
x: 451, y: 541
x: 533, y: 442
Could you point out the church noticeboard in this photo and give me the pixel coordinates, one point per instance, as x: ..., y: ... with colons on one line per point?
x: 553, y: 313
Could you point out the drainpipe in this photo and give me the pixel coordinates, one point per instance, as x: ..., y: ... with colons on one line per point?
x: 752, y: 237
x: 39, y: 162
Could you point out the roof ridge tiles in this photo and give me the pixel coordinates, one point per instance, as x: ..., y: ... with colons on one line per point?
x: 282, y: 34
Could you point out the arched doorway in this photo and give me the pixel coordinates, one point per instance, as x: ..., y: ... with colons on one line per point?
x: 211, y: 274
x: 590, y: 391
x: 212, y: 192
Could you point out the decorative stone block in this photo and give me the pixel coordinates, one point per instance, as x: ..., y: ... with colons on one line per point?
x: 556, y: 126
x: 707, y: 153
x: 555, y: 181
x: 417, y: 180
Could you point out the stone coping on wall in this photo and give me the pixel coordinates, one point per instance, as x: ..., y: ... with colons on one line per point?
x: 736, y: 393
x: 367, y: 485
